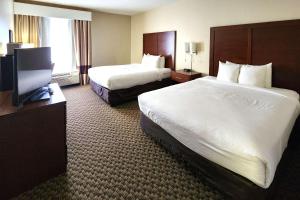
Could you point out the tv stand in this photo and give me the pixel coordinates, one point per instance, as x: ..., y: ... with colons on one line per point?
x: 32, y: 142
x: 40, y: 94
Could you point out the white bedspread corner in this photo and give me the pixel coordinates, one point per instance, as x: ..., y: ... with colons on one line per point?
x: 244, y: 129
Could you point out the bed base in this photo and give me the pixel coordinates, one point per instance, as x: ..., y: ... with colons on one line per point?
x: 229, y: 183
x: 116, y: 97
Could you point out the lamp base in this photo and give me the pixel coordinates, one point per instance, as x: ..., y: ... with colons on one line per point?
x: 187, y: 70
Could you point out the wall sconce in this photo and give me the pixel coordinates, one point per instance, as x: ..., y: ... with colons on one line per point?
x: 191, y: 49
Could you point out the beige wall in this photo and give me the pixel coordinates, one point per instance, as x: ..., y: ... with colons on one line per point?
x: 6, y: 19
x: 110, y: 39
x: 193, y: 18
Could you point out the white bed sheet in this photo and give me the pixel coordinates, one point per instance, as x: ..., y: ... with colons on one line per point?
x: 125, y: 76
x: 244, y: 129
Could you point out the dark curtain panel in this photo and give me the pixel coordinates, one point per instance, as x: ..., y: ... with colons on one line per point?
x: 82, y: 44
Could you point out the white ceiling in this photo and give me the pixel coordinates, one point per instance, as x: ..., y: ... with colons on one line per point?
x: 126, y: 7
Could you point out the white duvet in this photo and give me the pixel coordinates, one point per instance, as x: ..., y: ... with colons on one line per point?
x: 125, y: 76
x: 244, y: 129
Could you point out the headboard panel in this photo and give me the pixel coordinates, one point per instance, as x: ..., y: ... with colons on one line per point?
x: 257, y: 44
x: 161, y: 43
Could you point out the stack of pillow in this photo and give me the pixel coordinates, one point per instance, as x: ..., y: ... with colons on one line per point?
x: 153, y: 61
x: 253, y: 75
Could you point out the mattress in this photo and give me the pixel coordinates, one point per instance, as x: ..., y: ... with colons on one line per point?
x: 244, y: 129
x: 126, y: 76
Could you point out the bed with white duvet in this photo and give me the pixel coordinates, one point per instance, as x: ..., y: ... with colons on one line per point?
x: 242, y: 128
x: 125, y: 76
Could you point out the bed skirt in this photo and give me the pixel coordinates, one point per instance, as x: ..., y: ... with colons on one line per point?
x: 226, y: 181
x: 116, y: 97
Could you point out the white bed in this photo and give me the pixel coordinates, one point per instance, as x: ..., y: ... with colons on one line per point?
x: 242, y: 128
x: 126, y: 76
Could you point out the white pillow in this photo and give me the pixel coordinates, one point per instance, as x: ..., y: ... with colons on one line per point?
x: 154, y: 61
x: 151, y: 61
x: 145, y: 59
x: 254, y: 76
x: 268, y: 83
x: 268, y: 79
x: 228, y: 72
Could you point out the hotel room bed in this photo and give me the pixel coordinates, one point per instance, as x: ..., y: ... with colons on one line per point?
x: 239, y: 138
x: 121, y: 83
x: 125, y: 76
x: 238, y: 127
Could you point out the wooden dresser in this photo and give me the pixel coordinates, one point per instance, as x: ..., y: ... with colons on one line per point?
x: 32, y: 142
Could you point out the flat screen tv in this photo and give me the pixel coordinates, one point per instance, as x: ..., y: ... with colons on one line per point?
x: 32, y: 72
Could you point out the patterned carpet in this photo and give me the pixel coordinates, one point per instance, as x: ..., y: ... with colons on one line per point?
x: 109, y: 157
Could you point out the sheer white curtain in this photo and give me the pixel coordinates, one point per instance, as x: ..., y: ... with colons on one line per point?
x: 57, y: 34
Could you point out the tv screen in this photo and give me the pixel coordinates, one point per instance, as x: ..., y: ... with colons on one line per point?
x: 32, y: 72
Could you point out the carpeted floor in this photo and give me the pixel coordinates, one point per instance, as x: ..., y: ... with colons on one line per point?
x: 109, y: 157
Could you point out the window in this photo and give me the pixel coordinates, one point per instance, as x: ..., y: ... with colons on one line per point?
x: 57, y: 33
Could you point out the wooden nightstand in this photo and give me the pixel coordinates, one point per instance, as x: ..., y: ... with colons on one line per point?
x: 182, y: 76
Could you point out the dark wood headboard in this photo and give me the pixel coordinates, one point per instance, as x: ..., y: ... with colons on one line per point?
x: 257, y: 44
x: 161, y: 43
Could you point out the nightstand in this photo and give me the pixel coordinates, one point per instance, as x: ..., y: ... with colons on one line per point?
x: 182, y: 76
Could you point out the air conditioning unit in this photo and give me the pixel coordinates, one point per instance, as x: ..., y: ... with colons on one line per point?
x: 66, y: 79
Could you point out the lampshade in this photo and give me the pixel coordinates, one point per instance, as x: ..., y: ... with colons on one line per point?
x: 193, y: 47
x: 187, y: 47
x: 1, y: 49
x: 190, y: 47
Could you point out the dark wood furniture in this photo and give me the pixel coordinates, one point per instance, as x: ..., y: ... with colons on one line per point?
x: 276, y: 42
x: 32, y: 142
x: 6, y: 73
x: 260, y: 43
x: 161, y: 43
x: 181, y: 76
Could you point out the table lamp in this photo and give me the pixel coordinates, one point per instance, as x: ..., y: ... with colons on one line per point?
x: 190, y: 48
